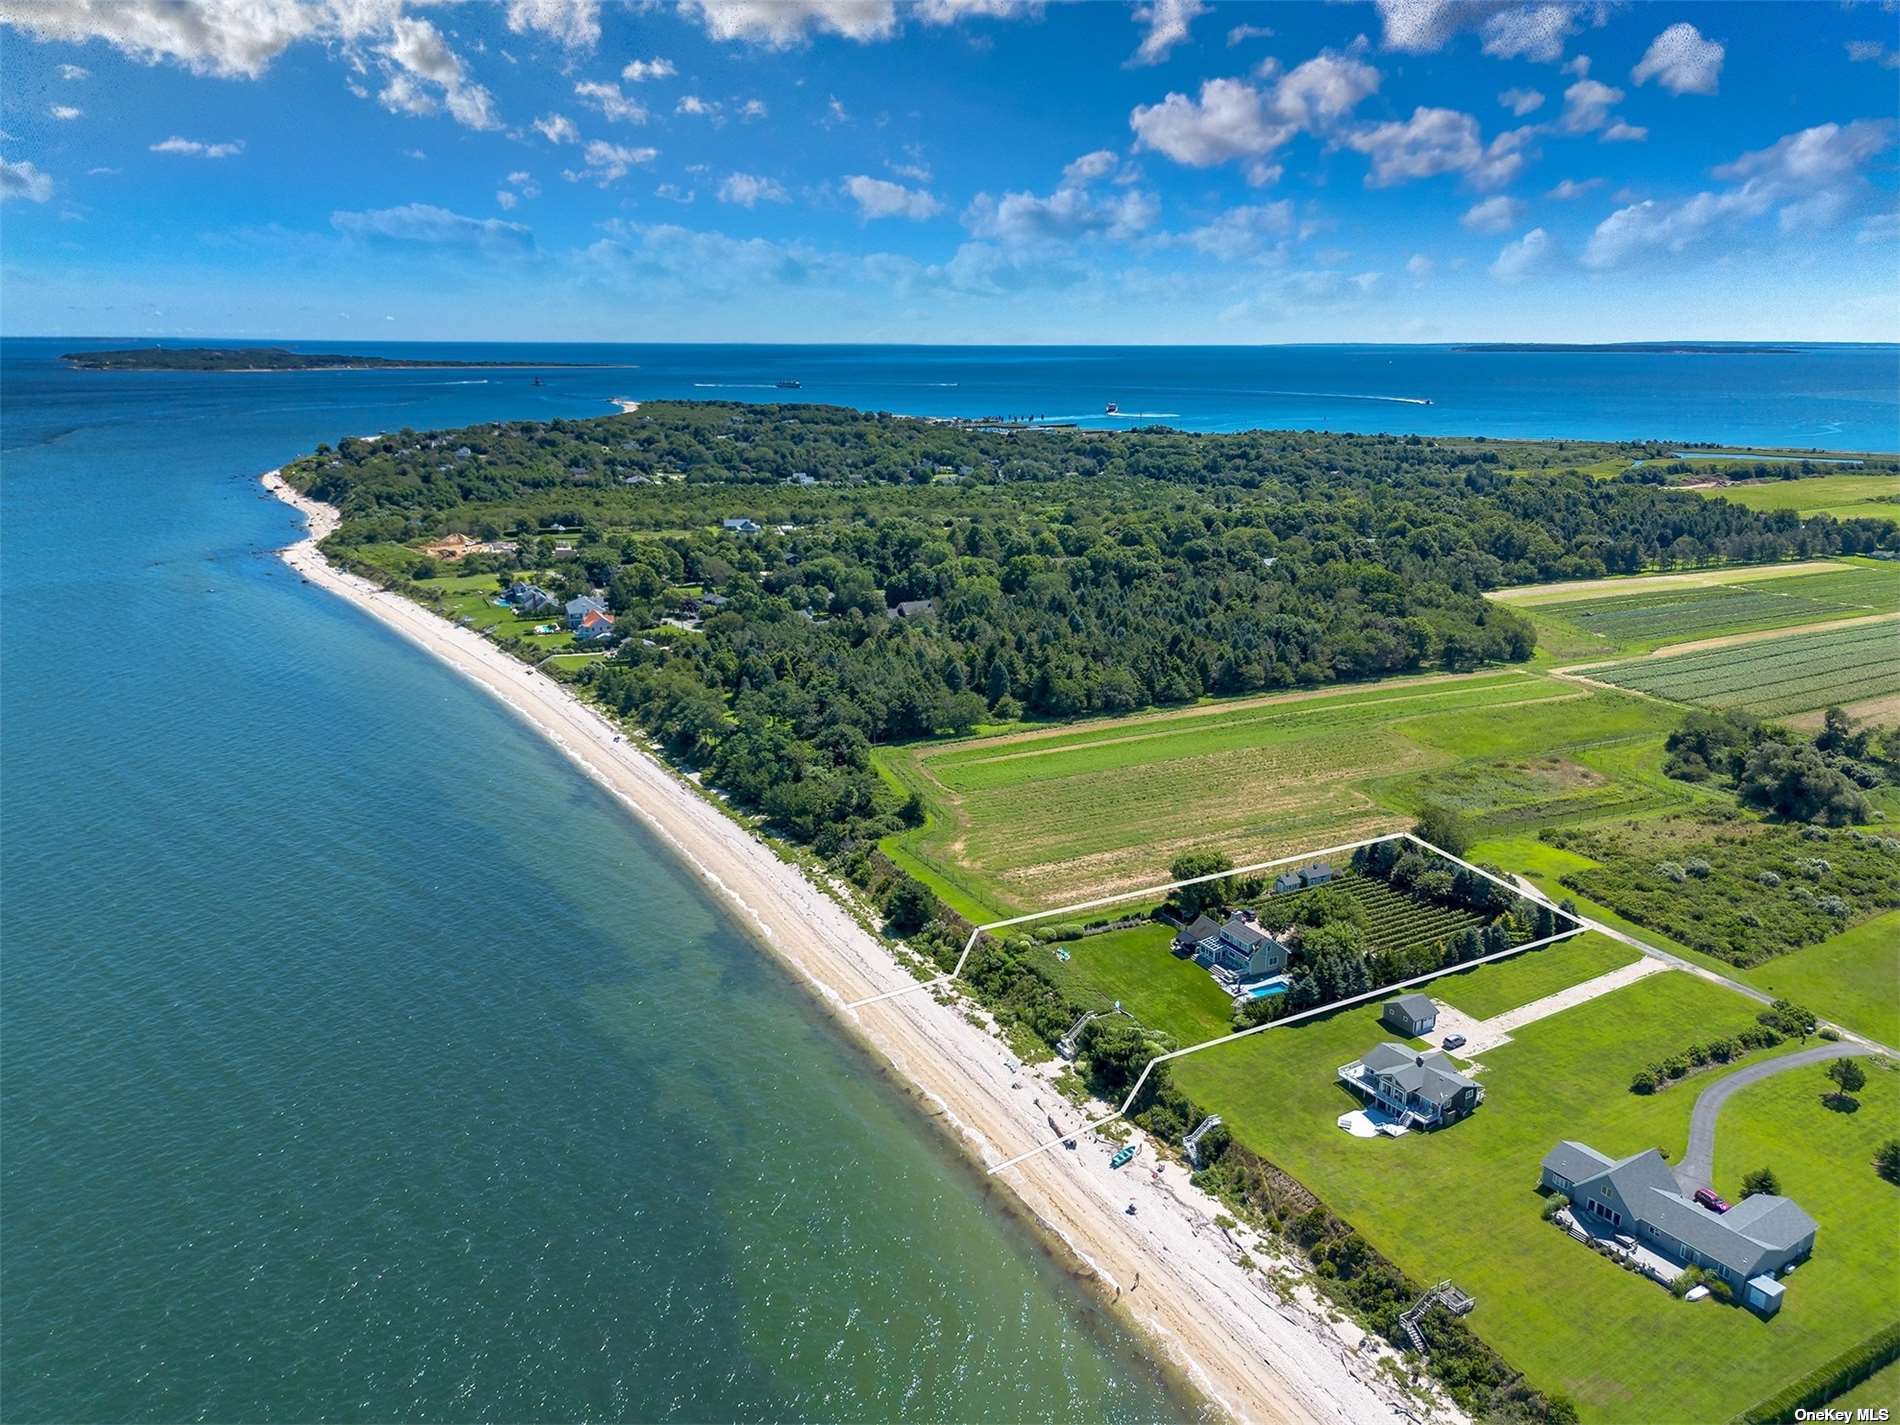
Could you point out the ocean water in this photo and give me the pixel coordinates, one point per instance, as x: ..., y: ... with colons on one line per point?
x: 360, y: 1061
x: 1826, y: 397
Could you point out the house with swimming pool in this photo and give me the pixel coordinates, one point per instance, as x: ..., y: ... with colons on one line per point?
x: 1412, y: 1088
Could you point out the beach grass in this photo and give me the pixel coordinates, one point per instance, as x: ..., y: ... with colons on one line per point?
x: 1462, y: 1203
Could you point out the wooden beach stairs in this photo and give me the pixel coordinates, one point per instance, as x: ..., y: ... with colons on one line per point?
x: 1456, y: 1302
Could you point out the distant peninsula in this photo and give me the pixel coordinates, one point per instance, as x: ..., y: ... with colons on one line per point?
x: 1639, y: 348
x: 272, y: 358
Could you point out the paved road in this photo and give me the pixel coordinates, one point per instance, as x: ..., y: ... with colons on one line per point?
x: 1698, y: 1162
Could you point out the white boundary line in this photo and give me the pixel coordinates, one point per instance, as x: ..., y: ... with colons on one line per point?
x: 1524, y: 892
x: 1292, y: 1019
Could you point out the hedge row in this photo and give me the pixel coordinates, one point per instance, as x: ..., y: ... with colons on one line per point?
x: 1837, y: 1377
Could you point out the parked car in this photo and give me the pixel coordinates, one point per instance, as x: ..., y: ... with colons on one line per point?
x: 1706, y: 1197
x: 1454, y: 1041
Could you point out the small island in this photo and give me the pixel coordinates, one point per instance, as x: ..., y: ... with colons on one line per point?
x: 275, y: 358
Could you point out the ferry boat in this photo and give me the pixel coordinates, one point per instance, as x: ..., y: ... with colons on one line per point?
x: 1112, y: 409
x: 790, y: 385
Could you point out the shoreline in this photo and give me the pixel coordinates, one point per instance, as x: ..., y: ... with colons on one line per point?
x: 1169, y: 1271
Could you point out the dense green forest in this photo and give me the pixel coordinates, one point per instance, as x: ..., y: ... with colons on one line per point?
x: 1041, y: 572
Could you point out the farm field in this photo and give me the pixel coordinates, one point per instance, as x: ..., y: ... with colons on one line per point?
x: 1462, y: 1203
x: 1031, y: 820
x: 1520, y: 595
x: 1639, y: 622
x: 1770, y: 676
x: 1845, y: 497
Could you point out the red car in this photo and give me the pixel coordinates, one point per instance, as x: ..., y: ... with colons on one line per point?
x: 1707, y: 1198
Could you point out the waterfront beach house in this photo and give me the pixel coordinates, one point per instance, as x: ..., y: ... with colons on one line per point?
x: 1410, y: 1015
x: 1188, y: 941
x: 578, y: 609
x: 1415, y: 1089
x: 593, y: 625
x: 1241, y: 951
x: 740, y: 525
x: 1638, y: 1197
x: 530, y: 598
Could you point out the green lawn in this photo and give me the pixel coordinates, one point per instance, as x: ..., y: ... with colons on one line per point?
x: 1462, y: 1203
x: 1137, y: 967
x: 1491, y: 989
x: 1853, y: 978
x: 1880, y: 1391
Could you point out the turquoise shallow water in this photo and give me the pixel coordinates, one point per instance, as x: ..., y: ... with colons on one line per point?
x: 361, y: 1061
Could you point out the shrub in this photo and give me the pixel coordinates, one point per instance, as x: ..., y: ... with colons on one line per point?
x: 1644, y: 1082
x: 1556, y: 1203
x: 1887, y: 1161
x: 1761, y: 1181
x: 1697, y: 867
x: 1823, y: 1384
x: 1670, y: 871
x: 1770, y: 879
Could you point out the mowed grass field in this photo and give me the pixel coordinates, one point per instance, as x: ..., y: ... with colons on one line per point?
x: 1638, y: 622
x: 1463, y: 1203
x: 1771, y: 676
x: 1845, y: 497
x: 1033, y: 820
x: 1138, y: 968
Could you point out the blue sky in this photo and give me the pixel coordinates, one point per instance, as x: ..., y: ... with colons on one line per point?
x: 950, y: 170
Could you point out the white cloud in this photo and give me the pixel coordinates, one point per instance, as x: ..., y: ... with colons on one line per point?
x: 1571, y: 188
x: 752, y: 109
x: 1682, y: 61
x: 229, y: 40
x: 102, y: 172
x: 610, y: 101
x: 1242, y: 231
x: 693, y: 105
x: 608, y: 162
x: 436, y: 227
x: 782, y: 23
x: 1578, y: 65
x: 1089, y: 167
x: 1509, y: 29
x: 1168, y: 22
x: 417, y: 154
x: 1493, y: 215
x: 1809, y: 179
x: 1521, y: 101
x: 1234, y: 119
x: 524, y: 180
x: 1069, y: 213
x: 192, y: 148
x: 673, y: 193
x: 66, y: 112
x: 1240, y: 34
x: 880, y: 198
x: 557, y: 128
x: 1873, y: 52
x: 23, y: 180
x: 1620, y: 132
x: 1436, y: 141
x: 638, y: 71
x: 1880, y: 227
x: 1420, y: 267
x: 1525, y: 257
x: 73, y: 71
x: 416, y: 51
x: 506, y: 199
x: 1587, y: 105
x: 575, y: 23
x: 747, y: 190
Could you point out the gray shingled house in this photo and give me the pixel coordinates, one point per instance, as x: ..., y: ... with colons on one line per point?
x: 1411, y: 1015
x: 1243, y: 949
x: 1747, y: 1246
x: 1417, y: 1089
x: 1205, y: 927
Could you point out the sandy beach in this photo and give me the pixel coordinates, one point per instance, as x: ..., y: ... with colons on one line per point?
x: 1167, y: 1269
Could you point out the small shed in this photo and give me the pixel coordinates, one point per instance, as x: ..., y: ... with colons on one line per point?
x: 1317, y: 874
x: 1410, y: 1015
x: 1286, y: 881
x: 1763, y: 1295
